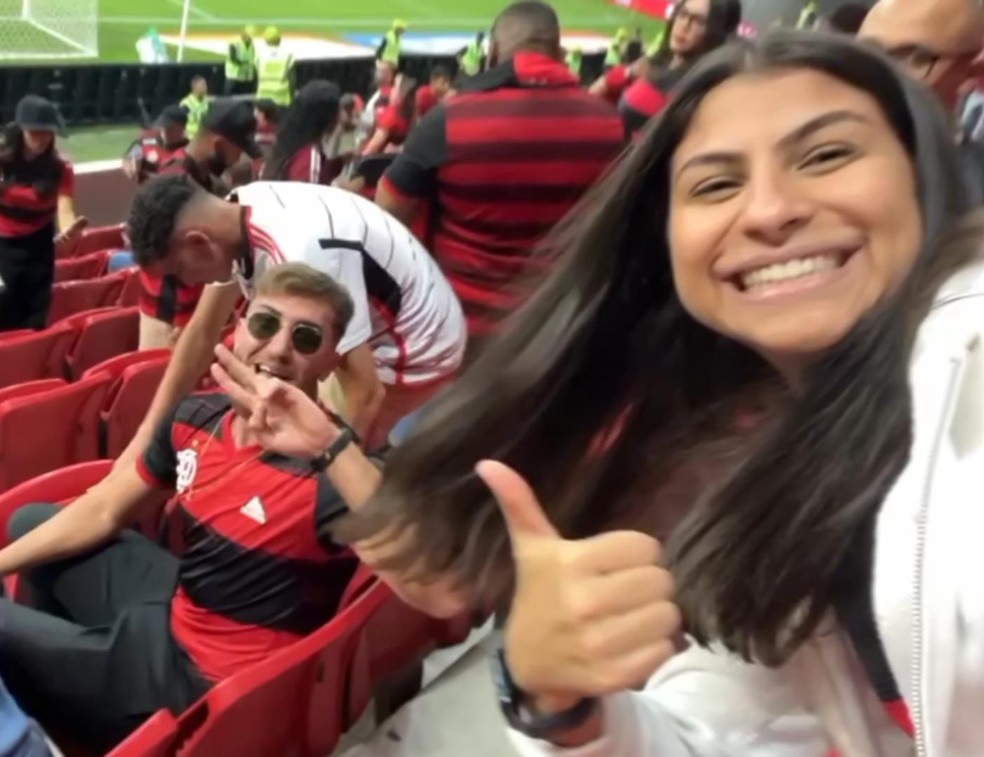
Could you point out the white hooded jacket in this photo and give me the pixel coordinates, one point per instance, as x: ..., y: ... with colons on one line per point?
x: 927, y: 596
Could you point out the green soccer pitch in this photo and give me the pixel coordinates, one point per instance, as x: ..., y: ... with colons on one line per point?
x: 123, y: 21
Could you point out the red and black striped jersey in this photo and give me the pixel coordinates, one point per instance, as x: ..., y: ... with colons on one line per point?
x: 505, y: 160
x: 29, y: 192
x: 258, y: 566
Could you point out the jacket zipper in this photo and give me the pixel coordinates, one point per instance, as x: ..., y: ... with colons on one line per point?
x: 918, y: 713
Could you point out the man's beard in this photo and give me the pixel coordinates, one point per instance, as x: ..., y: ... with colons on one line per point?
x: 216, y: 164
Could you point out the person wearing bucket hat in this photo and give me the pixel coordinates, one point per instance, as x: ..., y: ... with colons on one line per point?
x: 36, y: 197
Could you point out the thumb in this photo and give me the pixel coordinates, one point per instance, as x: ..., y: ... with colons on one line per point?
x: 521, y: 509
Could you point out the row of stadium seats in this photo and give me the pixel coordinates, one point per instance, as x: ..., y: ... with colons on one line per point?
x: 300, y: 700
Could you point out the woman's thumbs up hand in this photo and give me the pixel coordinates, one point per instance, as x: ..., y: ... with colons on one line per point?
x: 589, y: 617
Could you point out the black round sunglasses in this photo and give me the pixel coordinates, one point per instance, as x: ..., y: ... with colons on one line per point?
x: 306, y: 338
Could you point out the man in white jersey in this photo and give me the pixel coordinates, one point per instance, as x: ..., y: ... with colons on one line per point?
x: 406, y: 338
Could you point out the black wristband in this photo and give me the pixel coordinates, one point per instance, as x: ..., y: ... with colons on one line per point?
x: 337, y: 447
x: 512, y: 700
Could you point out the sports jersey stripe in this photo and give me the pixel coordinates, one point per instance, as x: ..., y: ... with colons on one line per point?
x: 260, y: 238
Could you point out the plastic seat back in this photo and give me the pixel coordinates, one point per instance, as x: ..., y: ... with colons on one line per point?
x: 304, y: 685
x: 57, y: 487
x: 132, y: 290
x: 28, y: 388
x: 103, y: 335
x: 35, y: 355
x: 88, y: 266
x: 70, y: 297
x: 98, y: 238
x: 157, y: 737
x: 50, y: 430
x: 128, y: 402
x: 115, y: 366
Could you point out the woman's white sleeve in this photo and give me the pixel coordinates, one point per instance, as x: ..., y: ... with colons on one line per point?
x: 702, y: 704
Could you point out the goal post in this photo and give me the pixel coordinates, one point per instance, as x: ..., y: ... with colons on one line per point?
x: 49, y: 29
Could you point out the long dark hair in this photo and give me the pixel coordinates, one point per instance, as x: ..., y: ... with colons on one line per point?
x: 606, y: 344
x: 723, y: 19
x: 312, y: 114
x: 43, y: 172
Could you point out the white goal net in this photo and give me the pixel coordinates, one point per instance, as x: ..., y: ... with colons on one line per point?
x: 48, y: 29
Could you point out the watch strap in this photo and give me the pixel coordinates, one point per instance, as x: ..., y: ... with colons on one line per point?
x: 337, y: 447
x: 512, y: 701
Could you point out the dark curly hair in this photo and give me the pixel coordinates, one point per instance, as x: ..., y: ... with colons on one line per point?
x: 153, y: 213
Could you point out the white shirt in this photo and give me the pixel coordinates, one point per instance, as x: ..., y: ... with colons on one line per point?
x: 404, y: 307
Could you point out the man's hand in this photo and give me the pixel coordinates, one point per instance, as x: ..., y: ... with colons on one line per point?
x: 589, y: 617
x: 281, y: 416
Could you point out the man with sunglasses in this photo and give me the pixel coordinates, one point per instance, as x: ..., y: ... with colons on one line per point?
x: 938, y: 42
x: 120, y: 627
x: 407, y: 335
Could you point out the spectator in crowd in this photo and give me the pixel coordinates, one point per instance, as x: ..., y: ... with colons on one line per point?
x: 502, y: 180
x: 385, y: 78
x: 696, y: 28
x: 19, y: 736
x: 121, y: 627
x: 817, y: 270
x: 429, y: 96
x: 268, y: 116
x: 37, y: 195
x: 157, y: 146
x: 394, y: 121
x: 306, y: 148
x: 350, y: 113
x: 939, y: 43
x: 407, y: 337
x: 196, y: 103
x: 227, y: 134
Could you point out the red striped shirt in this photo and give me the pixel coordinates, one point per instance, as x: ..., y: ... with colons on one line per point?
x: 23, y: 208
x: 507, y: 159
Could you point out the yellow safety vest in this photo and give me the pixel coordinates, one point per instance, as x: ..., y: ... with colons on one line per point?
x: 391, y: 52
x: 245, y: 68
x: 274, y: 77
x: 196, y: 112
x: 471, y: 60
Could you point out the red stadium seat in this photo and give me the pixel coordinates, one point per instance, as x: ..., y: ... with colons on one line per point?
x: 103, y: 335
x: 50, y: 430
x: 99, y: 238
x: 304, y: 685
x: 58, y: 487
x: 35, y: 355
x: 157, y: 737
x: 86, y: 267
x: 28, y: 388
x: 70, y: 297
x: 395, y: 638
x: 115, y: 366
x: 129, y: 398
x: 131, y: 292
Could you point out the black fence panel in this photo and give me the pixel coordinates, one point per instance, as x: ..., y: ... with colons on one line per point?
x: 89, y: 95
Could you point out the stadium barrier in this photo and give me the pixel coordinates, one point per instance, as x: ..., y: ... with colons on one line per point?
x: 103, y: 94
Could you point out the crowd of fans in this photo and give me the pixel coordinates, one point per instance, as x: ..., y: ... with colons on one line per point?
x: 676, y: 371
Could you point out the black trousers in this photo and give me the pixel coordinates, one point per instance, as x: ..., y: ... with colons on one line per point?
x: 94, y: 655
x: 27, y: 267
x: 238, y: 87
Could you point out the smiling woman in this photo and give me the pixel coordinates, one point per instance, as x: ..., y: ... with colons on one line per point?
x: 761, y: 345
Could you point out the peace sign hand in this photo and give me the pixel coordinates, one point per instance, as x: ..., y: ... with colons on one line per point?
x: 281, y: 417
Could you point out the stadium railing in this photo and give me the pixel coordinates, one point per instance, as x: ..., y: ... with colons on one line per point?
x: 100, y: 94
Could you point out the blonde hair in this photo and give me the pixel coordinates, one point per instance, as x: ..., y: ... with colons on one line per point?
x: 301, y: 280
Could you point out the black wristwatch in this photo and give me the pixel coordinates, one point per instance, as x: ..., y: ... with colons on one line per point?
x: 337, y: 447
x: 512, y: 701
